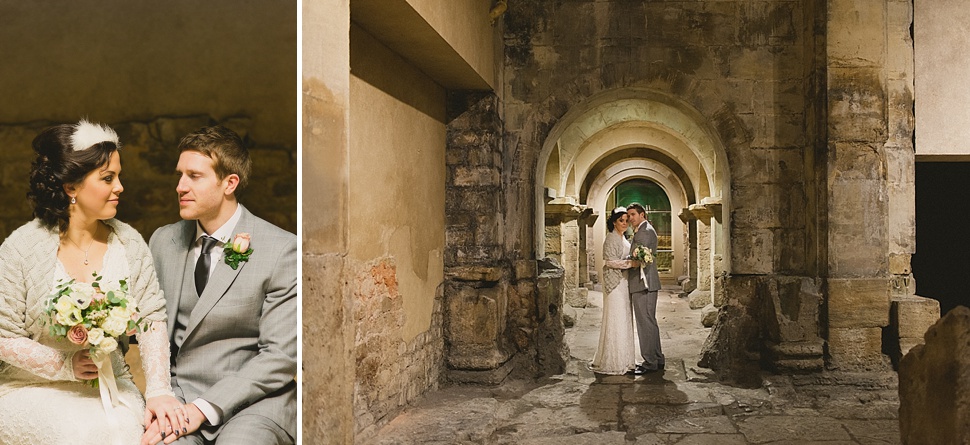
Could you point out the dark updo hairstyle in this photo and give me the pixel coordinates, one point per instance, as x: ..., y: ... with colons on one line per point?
x: 58, y: 164
x: 615, y: 215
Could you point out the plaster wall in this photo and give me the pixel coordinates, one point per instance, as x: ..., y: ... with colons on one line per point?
x: 464, y: 24
x: 396, y: 210
x: 117, y: 60
x: 942, y: 59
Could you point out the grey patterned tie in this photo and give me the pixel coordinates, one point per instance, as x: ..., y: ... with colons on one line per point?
x: 202, y: 265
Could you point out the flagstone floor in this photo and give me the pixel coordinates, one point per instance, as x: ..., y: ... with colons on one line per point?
x: 682, y: 405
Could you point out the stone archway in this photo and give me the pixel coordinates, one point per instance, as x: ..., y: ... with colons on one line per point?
x: 625, y: 170
x: 674, y: 134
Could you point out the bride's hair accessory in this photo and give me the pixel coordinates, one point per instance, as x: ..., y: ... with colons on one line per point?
x: 619, y: 210
x: 87, y: 134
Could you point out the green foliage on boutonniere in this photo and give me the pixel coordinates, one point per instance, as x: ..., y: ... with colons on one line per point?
x: 237, y: 251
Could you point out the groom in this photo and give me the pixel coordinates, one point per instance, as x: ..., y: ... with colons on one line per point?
x: 644, y: 294
x: 232, y: 329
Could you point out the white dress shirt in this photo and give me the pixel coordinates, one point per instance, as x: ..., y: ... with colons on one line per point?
x: 224, y: 234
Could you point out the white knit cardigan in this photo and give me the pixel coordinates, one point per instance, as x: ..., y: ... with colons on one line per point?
x: 28, y: 259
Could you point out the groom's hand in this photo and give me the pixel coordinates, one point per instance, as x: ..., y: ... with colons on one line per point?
x: 153, y: 434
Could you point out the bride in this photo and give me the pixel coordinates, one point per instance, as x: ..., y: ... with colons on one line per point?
x: 617, y: 351
x: 45, y: 396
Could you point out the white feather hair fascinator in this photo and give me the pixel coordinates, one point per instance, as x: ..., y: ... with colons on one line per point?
x: 87, y: 134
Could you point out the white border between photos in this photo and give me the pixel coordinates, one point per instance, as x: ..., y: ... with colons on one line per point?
x: 299, y: 221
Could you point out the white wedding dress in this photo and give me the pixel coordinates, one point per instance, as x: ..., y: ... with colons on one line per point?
x: 59, y: 410
x: 617, y: 351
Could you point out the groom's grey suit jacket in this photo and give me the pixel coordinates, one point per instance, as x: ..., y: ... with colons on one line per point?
x: 645, y: 235
x: 239, y: 349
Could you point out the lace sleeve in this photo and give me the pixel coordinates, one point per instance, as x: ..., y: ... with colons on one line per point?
x: 619, y: 264
x: 38, y: 359
x: 154, y: 349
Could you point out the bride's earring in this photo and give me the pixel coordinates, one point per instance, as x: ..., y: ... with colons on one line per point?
x: 73, y: 200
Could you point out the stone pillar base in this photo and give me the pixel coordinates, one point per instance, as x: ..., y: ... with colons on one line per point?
x: 796, y: 356
x: 909, y: 318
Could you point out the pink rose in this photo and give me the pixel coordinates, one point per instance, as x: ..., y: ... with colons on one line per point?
x: 240, y: 244
x: 77, y: 334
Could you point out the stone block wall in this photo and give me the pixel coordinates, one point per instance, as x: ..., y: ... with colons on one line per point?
x: 149, y: 155
x: 390, y: 371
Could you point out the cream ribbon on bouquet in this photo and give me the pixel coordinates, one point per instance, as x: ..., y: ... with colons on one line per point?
x: 644, y: 256
x: 109, y: 391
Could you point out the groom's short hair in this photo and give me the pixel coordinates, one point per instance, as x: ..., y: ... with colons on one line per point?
x: 226, y: 150
x: 637, y: 206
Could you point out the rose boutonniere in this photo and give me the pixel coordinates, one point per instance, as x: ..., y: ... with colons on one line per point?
x: 237, y: 251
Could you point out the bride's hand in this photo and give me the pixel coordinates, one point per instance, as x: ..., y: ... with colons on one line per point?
x: 169, y: 413
x: 84, y: 367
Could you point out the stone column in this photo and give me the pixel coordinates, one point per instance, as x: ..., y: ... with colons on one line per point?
x: 701, y: 296
x: 567, y: 215
x: 477, y: 274
x: 858, y: 241
x: 328, y: 328
x: 690, y: 235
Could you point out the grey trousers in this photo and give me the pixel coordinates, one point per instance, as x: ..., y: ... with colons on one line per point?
x: 645, y: 313
x: 243, y: 429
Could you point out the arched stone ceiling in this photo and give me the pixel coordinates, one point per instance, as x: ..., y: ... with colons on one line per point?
x: 615, y: 120
x: 641, y: 154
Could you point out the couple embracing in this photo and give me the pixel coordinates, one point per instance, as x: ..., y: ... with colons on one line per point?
x: 630, y: 289
x: 211, y: 301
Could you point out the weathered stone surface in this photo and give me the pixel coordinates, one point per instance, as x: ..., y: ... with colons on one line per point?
x: 476, y: 176
x: 699, y: 425
x: 858, y: 303
x: 762, y: 429
x: 577, y: 297
x: 569, y: 315
x: 899, y: 264
x: 605, y: 438
x: 912, y: 316
x: 474, y: 273
x: 525, y: 269
x: 793, y: 306
x: 708, y: 315
x: 934, y: 384
x: 475, y: 326
x: 873, y: 431
x: 698, y: 299
x: 857, y: 349
x: 329, y: 412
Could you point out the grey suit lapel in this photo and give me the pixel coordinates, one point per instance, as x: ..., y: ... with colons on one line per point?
x: 180, y: 250
x: 221, y: 279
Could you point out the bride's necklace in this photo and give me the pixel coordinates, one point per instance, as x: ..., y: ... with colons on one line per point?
x: 89, y: 244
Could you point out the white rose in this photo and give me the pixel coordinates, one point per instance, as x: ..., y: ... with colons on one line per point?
x: 64, y: 305
x: 96, y: 336
x: 108, y: 344
x: 115, y: 326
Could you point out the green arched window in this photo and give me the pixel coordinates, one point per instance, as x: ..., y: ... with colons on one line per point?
x: 654, y: 199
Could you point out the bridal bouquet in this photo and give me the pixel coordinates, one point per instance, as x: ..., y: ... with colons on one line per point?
x: 94, y: 314
x: 643, y: 255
